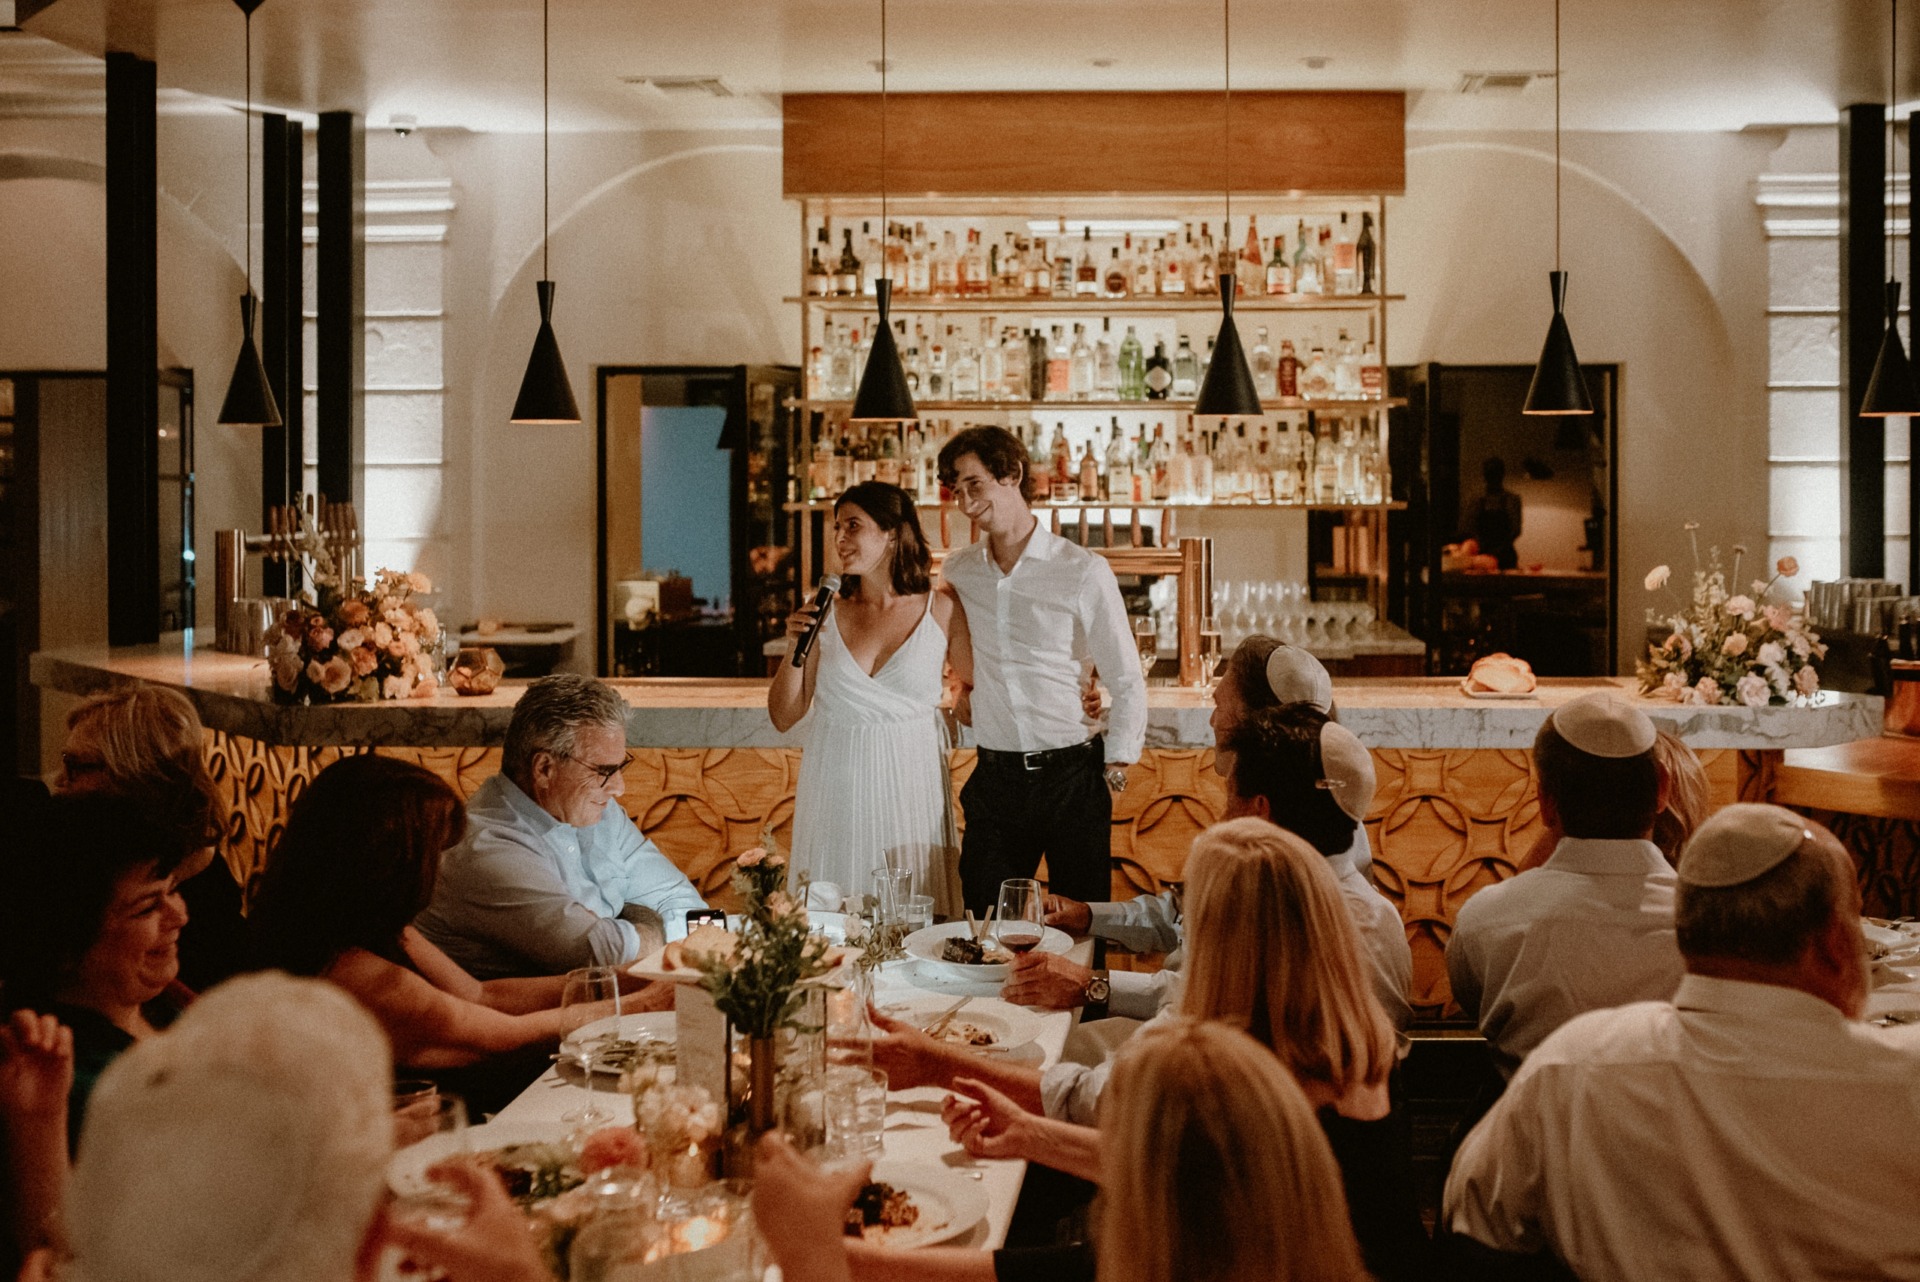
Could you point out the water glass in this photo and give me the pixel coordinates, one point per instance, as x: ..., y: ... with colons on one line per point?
x: 590, y: 993
x: 415, y: 1104
x: 892, y: 887
x: 856, y: 1111
x: 918, y: 914
x: 431, y: 1205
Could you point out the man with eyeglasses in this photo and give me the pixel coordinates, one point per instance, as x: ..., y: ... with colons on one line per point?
x: 1044, y: 615
x: 552, y: 874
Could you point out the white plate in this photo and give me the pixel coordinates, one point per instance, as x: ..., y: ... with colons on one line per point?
x: 1010, y: 1025
x: 1471, y: 693
x: 1886, y: 938
x: 407, y: 1169
x: 950, y: 1204
x: 925, y: 944
x: 652, y: 1025
x: 653, y: 966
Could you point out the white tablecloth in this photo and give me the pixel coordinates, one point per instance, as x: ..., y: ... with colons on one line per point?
x: 914, y: 1130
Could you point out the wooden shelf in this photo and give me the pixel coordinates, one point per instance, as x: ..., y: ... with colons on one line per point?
x: 826, y: 505
x: 1158, y: 305
x: 1287, y: 405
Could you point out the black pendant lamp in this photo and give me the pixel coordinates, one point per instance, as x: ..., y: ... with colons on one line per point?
x: 1228, y: 388
x: 1558, y: 387
x: 1892, y: 391
x: 883, y: 396
x: 249, y: 401
x: 546, y: 394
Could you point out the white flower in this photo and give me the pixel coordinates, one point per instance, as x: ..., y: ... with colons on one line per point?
x: 1798, y: 643
x: 419, y: 582
x: 1735, y: 644
x: 382, y: 635
x: 1657, y: 577
x: 1772, y: 654
x: 1806, y: 681
x: 429, y: 623
x: 1753, y: 690
x: 1674, y: 681
x: 396, y: 687
x: 351, y: 639
x: 1708, y: 689
x: 1740, y: 607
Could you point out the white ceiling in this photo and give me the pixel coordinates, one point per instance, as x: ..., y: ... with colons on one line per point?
x: 475, y: 64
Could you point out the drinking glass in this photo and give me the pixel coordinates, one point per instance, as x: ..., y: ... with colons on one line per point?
x: 1021, y: 919
x: 918, y: 914
x: 590, y: 993
x: 891, y: 888
x: 430, y: 1204
x: 1209, y: 658
x: 1146, y: 637
x: 414, y: 1107
x: 856, y: 1100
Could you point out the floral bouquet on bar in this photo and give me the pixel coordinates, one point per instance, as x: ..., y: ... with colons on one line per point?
x: 368, y: 645
x: 1724, y: 648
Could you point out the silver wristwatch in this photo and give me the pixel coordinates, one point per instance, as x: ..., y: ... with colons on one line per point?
x: 1098, y: 989
x: 1117, y: 778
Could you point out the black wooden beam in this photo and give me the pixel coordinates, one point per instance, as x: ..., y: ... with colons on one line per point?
x: 1863, y: 277
x: 133, y: 354
x: 339, y: 280
x: 1913, y: 429
x: 282, y: 450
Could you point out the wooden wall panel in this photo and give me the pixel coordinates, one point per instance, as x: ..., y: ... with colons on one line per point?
x: 1009, y: 144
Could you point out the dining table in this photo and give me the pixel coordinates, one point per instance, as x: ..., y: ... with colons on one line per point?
x: 914, y: 1132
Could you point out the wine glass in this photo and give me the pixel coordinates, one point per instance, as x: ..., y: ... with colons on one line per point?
x: 1209, y: 659
x: 1021, y: 919
x: 1146, y: 637
x: 589, y: 995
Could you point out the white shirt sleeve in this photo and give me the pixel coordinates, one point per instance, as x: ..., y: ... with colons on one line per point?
x: 645, y: 876
x: 1142, y: 994
x: 1110, y: 641
x: 1496, y: 1190
x: 1143, y: 924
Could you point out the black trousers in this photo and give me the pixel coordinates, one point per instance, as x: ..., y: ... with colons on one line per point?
x: 1063, y: 810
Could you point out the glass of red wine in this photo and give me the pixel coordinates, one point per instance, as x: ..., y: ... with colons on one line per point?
x: 1022, y: 916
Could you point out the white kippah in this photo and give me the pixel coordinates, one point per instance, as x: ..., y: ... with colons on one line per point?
x: 1604, y: 725
x: 1740, y: 842
x: 244, y: 1144
x: 1348, y: 770
x: 1297, y: 677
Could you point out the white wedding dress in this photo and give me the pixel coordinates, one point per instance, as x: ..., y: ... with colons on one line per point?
x: 874, y: 786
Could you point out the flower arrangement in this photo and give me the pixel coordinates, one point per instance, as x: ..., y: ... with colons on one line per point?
x: 757, y: 982
x: 1726, y: 648
x: 760, y: 873
x: 366, y: 646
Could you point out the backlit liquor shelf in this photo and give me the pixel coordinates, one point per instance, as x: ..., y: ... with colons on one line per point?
x: 1115, y: 306
x: 826, y: 505
x: 1283, y: 405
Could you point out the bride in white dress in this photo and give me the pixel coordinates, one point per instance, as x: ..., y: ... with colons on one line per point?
x: 874, y: 787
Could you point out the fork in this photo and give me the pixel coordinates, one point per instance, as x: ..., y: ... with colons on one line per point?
x: 939, y: 1025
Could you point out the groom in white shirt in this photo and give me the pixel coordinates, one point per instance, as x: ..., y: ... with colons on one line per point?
x: 1044, y: 614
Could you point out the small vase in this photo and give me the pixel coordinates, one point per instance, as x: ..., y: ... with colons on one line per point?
x: 763, y: 1057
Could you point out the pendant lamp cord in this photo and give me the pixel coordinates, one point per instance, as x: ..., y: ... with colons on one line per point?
x: 1226, y: 108
x: 246, y: 132
x: 1893, y: 94
x: 545, y: 145
x: 1556, y: 135
x: 886, y: 228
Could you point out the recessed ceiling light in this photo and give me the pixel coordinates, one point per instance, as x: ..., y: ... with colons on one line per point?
x: 1315, y: 61
x: 1104, y: 63
x: 677, y: 86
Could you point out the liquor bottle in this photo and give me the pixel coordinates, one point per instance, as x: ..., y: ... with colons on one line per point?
x: 1179, y: 483
x: 817, y: 374
x: 1064, y: 273
x: 840, y: 374
x: 1119, y: 275
x: 846, y: 278
x: 1261, y: 467
x: 1346, y: 259
x: 1206, y: 363
x: 937, y: 370
x: 1303, y: 466
x: 1007, y: 269
x: 964, y: 375
x: 929, y: 486
x: 1059, y: 366
x: 1080, y: 366
x: 1089, y: 476
x: 1064, y: 485
x: 1316, y: 380
x: 1307, y: 278
x: 1379, y: 477
x: 1222, y: 490
x: 1160, y: 463
x: 1146, y: 270
x: 1373, y: 382
x: 1040, y: 467
x: 1265, y: 372
x: 820, y: 467
x: 1287, y: 371
x: 1186, y: 372
x: 993, y: 362
x: 1326, y: 468
x: 1015, y: 380
x: 1086, y: 276
x: 1173, y: 269
x: 919, y: 269
x: 1346, y: 368
x: 1224, y: 260
x: 976, y: 281
x: 1206, y: 266
x: 1117, y: 479
x: 1132, y: 369
x: 1279, y: 271
x: 1347, y: 462
x: 1250, y: 258
x: 1286, y: 461
x: 1106, y: 368
x: 1039, y: 271
x: 819, y: 279
x: 1159, y: 372
x: 886, y: 466
x: 1367, y: 253
x: 946, y: 266
x: 873, y: 263
x: 1038, y: 356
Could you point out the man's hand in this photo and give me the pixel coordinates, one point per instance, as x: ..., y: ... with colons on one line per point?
x: 986, y: 1123
x: 652, y: 930
x: 1092, y: 697
x: 492, y: 1246
x: 1069, y: 915
x: 36, y: 1069
x: 1046, y: 980
x: 909, y: 1057
x: 654, y: 995
x: 800, y: 1209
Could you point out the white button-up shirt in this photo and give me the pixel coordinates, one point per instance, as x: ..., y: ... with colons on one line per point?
x: 1742, y: 1131
x: 1037, y: 632
x: 1590, y: 928
x: 527, y: 894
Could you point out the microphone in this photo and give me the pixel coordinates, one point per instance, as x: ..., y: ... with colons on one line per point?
x: 823, y: 602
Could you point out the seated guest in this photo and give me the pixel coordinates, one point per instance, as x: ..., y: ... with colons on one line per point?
x: 146, y: 743
x: 250, y: 1143
x: 1593, y: 926
x: 90, y: 929
x: 1688, y: 798
x: 552, y: 875
x: 1749, y: 1128
x: 36, y: 1074
x: 1210, y: 1166
x: 1291, y: 765
x: 358, y: 860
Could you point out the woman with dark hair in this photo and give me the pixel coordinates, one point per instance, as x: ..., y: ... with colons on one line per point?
x: 874, y: 789
x: 355, y: 865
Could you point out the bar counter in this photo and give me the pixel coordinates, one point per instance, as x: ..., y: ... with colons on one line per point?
x: 1455, y: 810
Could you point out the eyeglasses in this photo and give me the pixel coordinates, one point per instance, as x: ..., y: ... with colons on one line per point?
x: 604, y: 774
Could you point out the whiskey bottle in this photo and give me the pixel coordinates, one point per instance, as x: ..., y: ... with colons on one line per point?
x: 1038, y: 271
x: 1040, y: 468
x: 1038, y: 357
x: 1287, y: 371
x: 1366, y: 250
x: 1063, y: 270
x: 819, y: 279
x: 1132, y: 368
x: 1279, y: 271
x: 1186, y: 372
x: 846, y: 277
x: 1086, y: 276
x: 975, y: 282
x: 1064, y: 484
x: 1089, y: 476
x: 1117, y: 481
x: 1159, y: 372
x: 1265, y: 373
x: 1119, y: 275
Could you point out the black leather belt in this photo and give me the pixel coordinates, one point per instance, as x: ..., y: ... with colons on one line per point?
x: 1046, y: 758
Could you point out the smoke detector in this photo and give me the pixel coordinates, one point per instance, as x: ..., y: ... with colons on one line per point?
x: 1498, y: 83
x: 681, y: 86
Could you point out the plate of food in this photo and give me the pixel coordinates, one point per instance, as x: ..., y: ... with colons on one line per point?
x: 1499, y: 676
x: 626, y: 1033
x: 535, y: 1160
x: 678, y: 962
x: 914, y: 1204
x: 951, y: 948
x: 985, y: 1024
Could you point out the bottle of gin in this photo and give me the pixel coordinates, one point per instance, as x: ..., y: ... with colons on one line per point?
x: 1131, y: 368
x: 1266, y: 378
x: 1117, y: 480
x: 1316, y: 380
x: 1326, y: 468
x: 1286, y: 463
x: 1186, y: 372
x: 1307, y: 278
x: 1080, y: 366
x: 1106, y: 366
x: 1159, y: 372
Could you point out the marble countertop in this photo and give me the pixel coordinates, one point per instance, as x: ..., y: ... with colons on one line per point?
x: 1404, y: 713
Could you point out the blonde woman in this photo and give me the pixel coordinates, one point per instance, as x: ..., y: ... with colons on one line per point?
x: 146, y: 744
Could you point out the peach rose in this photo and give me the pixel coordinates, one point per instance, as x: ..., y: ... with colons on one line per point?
x: 751, y: 858
x: 351, y: 639
x: 1787, y: 566
x: 1806, y: 681
x: 1708, y: 689
x: 321, y: 637
x: 1740, y: 607
x: 337, y: 675
x: 286, y: 670
x: 1779, y: 617
x: 354, y: 614
x: 1735, y: 645
x: 382, y: 635
x: 425, y: 687
x: 365, y: 659
x: 1753, y: 690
